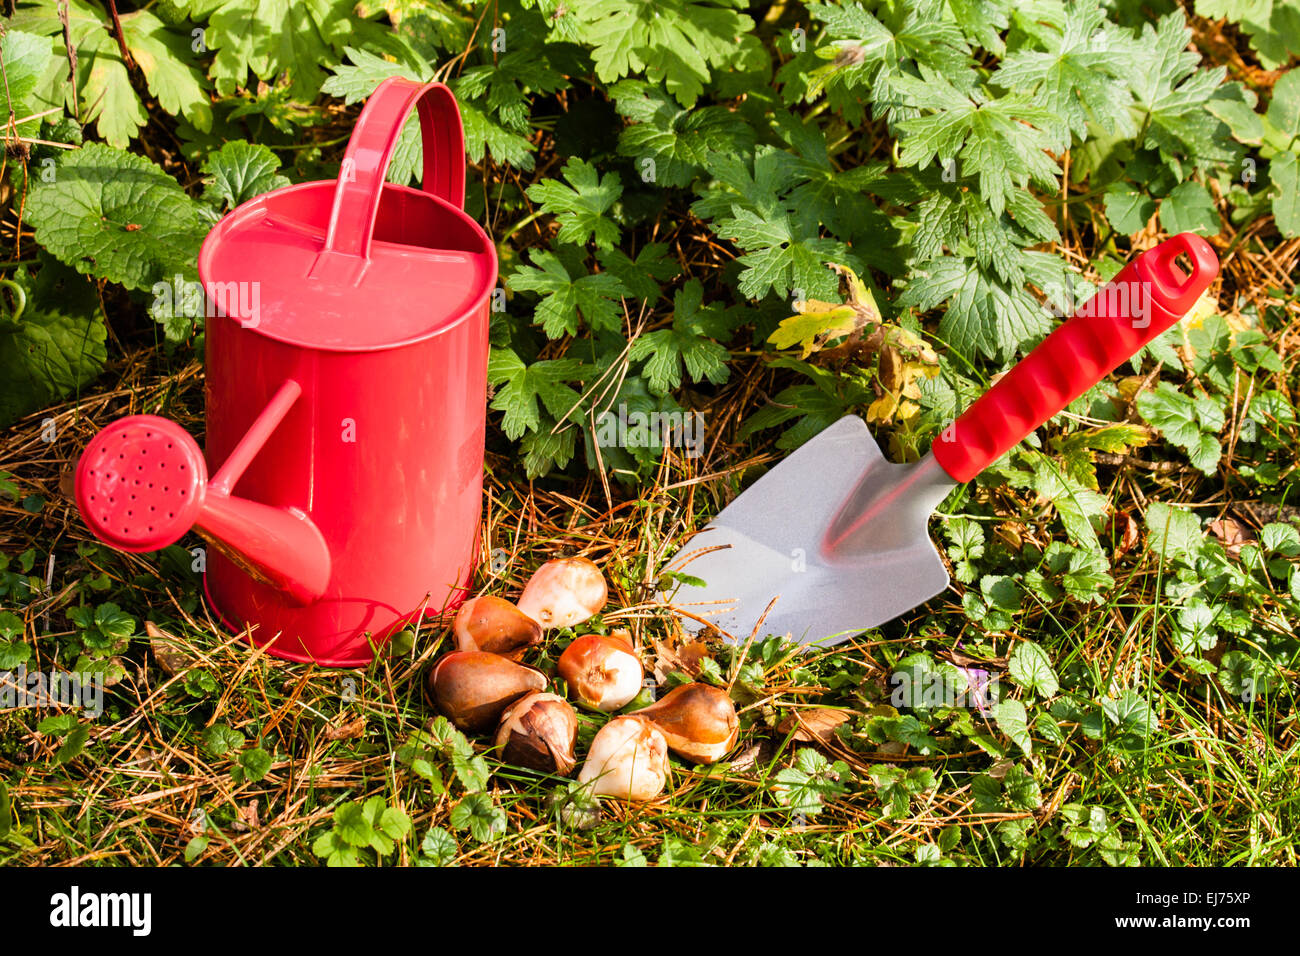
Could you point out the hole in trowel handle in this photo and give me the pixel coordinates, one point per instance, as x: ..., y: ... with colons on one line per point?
x: 1178, y: 270
x: 1181, y: 269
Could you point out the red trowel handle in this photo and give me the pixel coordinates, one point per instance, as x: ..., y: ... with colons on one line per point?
x: 1149, y: 295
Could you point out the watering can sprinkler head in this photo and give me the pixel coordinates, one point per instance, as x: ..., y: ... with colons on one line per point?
x: 142, y: 484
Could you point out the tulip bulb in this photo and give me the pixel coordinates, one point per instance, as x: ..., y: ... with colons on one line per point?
x: 564, y: 592
x: 538, y: 731
x: 472, y: 688
x: 493, y: 624
x: 602, y: 670
x: 628, y: 760
x: 697, y: 720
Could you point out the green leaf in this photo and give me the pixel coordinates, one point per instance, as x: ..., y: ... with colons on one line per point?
x: 676, y: 141
x: 478, y: 813
x: 1077, y: 76
x: 439, y: 847
x: 102, y: 81
x: 1171, y: 93
x: 568, y: 293
x: 1082, y: 571
x: 1278, y: 538
x: 26, y: 58
x: 675, y: 42
x: 817, y: 405
x: 56, y: 346
x: 1173, y: 533
x: 544, y: 449
x: 1030, y: 667
x: 966, y: 546
x: 195, y: 847
x: 897, y: 787
x: 73, y: 744
x: 1001, y: 140
x: 520, y: 388
x: 779, y: 259
x: 335, y: 850
x: 115, y: 215
x: 300, y: 38
x: 1280, y: 126
x: 169, y: 67
x: 389, y: 825
x: 1011, y: 720
x: 1049, y: 729
x: 679, y: 853
x: 1077, y: 504
x: 199, y: 683
x: 987, y: 793
x: 220, y: 739
x: 875, y: 56
x: 58, y: 724
x: 104, y: 93
x: 1076, y: 448
x: 256, y: 764
x: 11, y: 625
x: 688, y: 344
x: 644, y: 277
x: 13, y: 653
x: 239, y: 171
x: 811, y: 782
x: 1133, y: 718
x: 352, y: 825
x: 1187, y: 423
x: 113, y: 623
x: 483, y: 136
x: 1285, y: 173
x: 1128, y: 209
x: 1189, y: 208
x: 1021, y: 789
x: 471, y: 770
x: 630, y: 856
x: 905, y: 729
x: 984, y: 316
x: 354, y: 81
x: 505, y: 84
x: 580, y: 206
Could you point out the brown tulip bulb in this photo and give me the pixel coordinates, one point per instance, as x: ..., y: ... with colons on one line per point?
x: 697, y: 720
x: 564, y: 592
x: 494, y: 625
x: 472, y: 688
x: 628, y: 760
x: 538, y: 731
x: 602, y: 670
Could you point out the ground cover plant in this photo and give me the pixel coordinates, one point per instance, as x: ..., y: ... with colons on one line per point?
x: 770, y: 214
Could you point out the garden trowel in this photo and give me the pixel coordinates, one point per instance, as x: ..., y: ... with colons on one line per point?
x: 833, y: 540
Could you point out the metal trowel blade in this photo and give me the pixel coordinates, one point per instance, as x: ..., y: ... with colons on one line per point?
x: 830, y: 542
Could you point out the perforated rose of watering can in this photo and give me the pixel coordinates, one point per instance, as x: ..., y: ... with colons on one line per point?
x: 347, y: 414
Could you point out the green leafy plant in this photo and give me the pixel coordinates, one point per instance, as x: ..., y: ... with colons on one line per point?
x: 811, y: 783
x: 358, y: 827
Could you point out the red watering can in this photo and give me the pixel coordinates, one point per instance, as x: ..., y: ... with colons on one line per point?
x: 346, y: 398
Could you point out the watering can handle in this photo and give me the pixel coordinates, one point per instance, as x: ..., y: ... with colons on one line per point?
x: 370, y: 150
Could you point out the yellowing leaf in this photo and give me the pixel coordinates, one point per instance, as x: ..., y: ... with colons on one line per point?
x: 1078, y: 448
x: 1204, y: 307
x: 815, y: 323
x: 810, y: 329
x: 882, y: 408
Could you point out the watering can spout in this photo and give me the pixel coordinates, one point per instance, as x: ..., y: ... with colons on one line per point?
x: 142, y: 484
